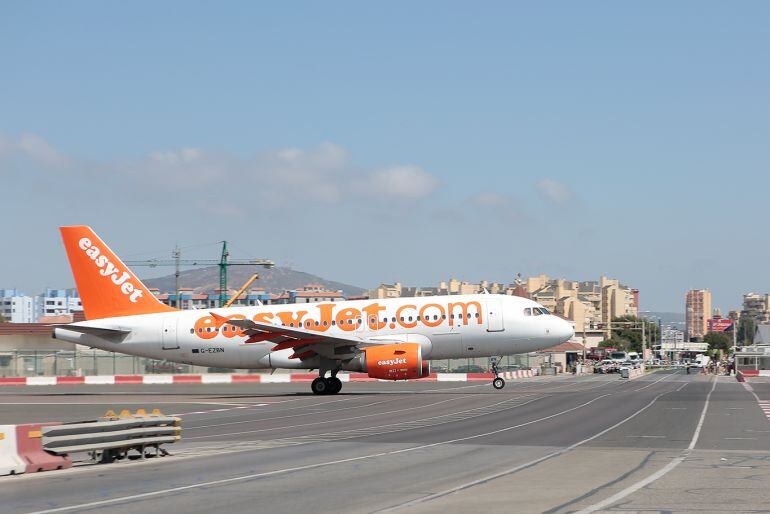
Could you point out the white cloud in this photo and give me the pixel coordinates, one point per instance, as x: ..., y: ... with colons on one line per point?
x: 35, y: 148
x: 322, y: 174
x: 407, y: 182
x: 504, y: 207
x: 490, y: 199
x: 185, y: 155
x: 554, y: 191
x: 272, y: 179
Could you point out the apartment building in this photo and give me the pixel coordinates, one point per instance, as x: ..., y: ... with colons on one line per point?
x: 757, y: 307
x: 697, y: 313
x: 450, y: 287
x: 587, y: 304
x: 17, y: 307
x: 58, y: 302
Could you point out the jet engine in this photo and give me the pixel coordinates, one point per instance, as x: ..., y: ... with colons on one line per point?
x: 400, y: 361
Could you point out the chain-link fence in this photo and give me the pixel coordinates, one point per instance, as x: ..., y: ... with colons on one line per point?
x: 26, y: 363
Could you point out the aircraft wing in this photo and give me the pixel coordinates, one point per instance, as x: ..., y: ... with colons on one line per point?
x: 305, y: 343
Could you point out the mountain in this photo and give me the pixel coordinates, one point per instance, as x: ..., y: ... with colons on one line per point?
x: 277, y: 279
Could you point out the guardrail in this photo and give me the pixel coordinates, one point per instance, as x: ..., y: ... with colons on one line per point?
x: 47, y: 446
x: 112, y: 437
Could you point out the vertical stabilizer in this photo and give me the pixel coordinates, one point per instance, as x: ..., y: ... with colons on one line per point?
x: 106, y: 286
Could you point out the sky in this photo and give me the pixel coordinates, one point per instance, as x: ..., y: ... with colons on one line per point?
x: 394, y: 141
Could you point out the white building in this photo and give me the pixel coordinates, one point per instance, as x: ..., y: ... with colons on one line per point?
x: 17, y: 307
x: 55, y: 302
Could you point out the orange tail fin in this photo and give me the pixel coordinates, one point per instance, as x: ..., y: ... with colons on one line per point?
x: 106, y: 286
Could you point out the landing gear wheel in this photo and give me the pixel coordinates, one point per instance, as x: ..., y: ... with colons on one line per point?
x: 498, y: 383
x: 334, y: 384
x: 320, y: 386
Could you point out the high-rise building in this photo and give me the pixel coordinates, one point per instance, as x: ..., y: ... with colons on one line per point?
x: 697, y: 313
x: 757, y: 307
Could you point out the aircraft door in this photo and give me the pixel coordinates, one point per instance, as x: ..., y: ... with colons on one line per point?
x: 494, y: 316
x: 169, y: 335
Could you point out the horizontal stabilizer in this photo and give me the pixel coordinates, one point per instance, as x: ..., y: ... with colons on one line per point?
x: 95, y: 331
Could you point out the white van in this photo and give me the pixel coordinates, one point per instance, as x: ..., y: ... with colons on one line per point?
x: 619, y: 357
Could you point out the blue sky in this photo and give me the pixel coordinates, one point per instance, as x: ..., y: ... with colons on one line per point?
x: 406, y: 141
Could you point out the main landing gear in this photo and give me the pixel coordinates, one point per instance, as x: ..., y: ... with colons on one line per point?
x: 498, y: 382
x: 331, y: 385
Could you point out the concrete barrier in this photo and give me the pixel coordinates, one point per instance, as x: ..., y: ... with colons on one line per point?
x: 745, y: 374
x: 10, y: 462
x: 30, y: 448
x: 632, y: 373
x: 513, y: 375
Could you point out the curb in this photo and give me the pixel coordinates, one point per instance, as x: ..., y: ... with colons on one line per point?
x: 227, y: 378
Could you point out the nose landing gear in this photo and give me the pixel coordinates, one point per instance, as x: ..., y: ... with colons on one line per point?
x: 498, y: 382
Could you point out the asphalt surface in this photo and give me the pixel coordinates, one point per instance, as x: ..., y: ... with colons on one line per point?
x: 664, y: 442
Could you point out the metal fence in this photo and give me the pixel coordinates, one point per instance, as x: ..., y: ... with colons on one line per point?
x: 27, y: 363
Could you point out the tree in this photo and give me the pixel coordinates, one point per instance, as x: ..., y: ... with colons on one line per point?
x: 718, y: 341
x: 3, y: 319
x: 745, y: 331
x: 632, y: 333
x: 615, y: 342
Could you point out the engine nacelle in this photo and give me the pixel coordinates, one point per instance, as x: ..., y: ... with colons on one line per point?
x: 400, y: 361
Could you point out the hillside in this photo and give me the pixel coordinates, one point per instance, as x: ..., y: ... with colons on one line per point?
x: 275, y: 280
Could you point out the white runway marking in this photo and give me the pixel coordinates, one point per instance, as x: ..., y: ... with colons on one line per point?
x: 303, y: 468
x: 532, y: 462
x: 661, y: 472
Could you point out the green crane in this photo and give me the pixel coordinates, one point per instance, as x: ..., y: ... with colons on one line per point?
x: 224, y: 262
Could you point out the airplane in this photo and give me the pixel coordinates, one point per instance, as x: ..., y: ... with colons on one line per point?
x: 389, y: 339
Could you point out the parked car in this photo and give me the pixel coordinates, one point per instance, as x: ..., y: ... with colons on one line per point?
x: 469, y: 368
x: 164, y: 366
x: 220, y: 370
x: 512, y: 367
x: 607, y: 366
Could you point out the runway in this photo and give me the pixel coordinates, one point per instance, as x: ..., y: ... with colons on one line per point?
x: 667, y: 441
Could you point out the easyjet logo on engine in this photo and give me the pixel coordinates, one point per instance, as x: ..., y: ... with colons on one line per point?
x: 391, y: 362
x: 108, y: 269
x: 348, y: 319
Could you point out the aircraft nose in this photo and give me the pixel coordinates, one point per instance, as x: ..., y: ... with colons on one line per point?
x: 562, y: 330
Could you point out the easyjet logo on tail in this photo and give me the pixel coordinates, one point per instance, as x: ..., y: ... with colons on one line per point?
x: 108, y: 269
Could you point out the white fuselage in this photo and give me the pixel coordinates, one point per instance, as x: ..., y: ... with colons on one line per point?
x: 447, y: 327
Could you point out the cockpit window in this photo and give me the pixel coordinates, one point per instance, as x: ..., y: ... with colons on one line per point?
x: 544, y: 310
x: 528, y: 312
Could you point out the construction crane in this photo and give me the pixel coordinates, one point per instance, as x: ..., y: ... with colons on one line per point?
x: 224, y: 262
